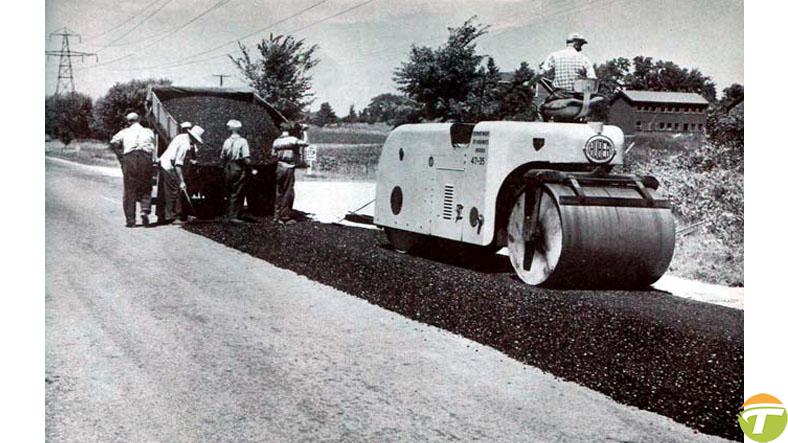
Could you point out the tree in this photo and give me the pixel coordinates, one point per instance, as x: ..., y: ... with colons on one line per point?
x: 663, y: 75
x: 643, y: 73
x: 281, y: 74
x: 725, y: 128
x: 393, y: 109
x: 439, y: 79
x: 482, y: 101
x: 325, y: 115
x: 109, y: 112
x: 515, y: 99
x: 352, y: 116
x: 68, y: 116
x: 732, y: 96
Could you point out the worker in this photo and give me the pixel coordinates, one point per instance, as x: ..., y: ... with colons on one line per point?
x: 185, y: 126
x: 134, y: 147
x: 568, y: 64
x: 286, y: 147
x: 235, y: 157
x: 171, y: 179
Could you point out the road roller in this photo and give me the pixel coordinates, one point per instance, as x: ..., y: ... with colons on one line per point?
x: 547, y: 191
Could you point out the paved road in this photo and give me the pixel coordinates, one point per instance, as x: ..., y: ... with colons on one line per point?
x: 162, y: 335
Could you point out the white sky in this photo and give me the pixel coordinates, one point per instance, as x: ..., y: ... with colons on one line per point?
x: 360, y: 49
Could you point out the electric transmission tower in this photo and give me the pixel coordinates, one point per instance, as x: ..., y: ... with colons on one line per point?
x: 65, y: 72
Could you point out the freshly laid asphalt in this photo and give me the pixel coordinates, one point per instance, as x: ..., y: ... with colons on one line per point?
x: 162, y: 335
x: 679, y: 358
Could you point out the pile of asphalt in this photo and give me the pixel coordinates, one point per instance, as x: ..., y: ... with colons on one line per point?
x: 212, y: 114
x: 648, y: 349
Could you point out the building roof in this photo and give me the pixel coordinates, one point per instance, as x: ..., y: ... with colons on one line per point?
x: 684, y: 98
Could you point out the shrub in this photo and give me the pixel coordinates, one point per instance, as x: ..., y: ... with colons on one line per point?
x: 67, y: 117
x: 704, y: 185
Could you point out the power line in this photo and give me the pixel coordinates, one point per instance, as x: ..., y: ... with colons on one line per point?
x: 65, y: 72
x: 146, y: 18
x: 165, y: 35
x: 187, y: 62
x: 116, y: 27
x: 257, y: 31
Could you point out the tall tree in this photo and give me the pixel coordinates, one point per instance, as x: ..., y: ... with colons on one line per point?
x: 439, y: 78
x: 325, y: 115
x: 280, y: 73
x: 352, y: 116
x: 646, y: 74
x: 515, y: 99
x: 109, y: 112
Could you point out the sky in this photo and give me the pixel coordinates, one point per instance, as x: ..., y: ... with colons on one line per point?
x: 360, y: 46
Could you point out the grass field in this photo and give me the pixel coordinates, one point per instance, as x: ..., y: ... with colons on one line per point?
x: 90, y: 152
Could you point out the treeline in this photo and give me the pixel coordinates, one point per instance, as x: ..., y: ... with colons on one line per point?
x: 75, y: 116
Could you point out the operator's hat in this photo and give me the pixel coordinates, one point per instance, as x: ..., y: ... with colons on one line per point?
x: 186, y: 125
x: 576, y: 37
x: 196, y: 132
x: 132, y: 117
x: 234, y: 124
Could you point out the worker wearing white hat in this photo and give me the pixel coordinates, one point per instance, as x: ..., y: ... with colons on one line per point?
x: 287, y: 150
x: 134, y: 147
x: 172, y: 184
x: 568, y: 64
x: 185, y: 126
x: 235, y: 156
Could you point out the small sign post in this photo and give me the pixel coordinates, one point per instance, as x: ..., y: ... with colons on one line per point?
x: 310, y: 152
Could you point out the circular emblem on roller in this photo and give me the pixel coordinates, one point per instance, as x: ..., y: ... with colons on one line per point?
x: 599, y: 149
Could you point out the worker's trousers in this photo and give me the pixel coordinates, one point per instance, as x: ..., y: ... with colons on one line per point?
x: 170, y: 194
x: 285, y: 191
x: 137, y: 167
x: 236, y: 178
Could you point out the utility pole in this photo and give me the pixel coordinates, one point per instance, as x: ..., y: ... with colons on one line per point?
x: 65, y: 73
x: 221, y: 78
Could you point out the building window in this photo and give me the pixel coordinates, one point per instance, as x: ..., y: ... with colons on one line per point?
x: 692, y: 127
x: 686, y: 127
x: 700, y: 127
x: 638, y: 126
x: 661, y: 125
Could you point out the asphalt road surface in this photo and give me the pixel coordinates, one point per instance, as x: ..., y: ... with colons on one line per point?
x: 163, y: 335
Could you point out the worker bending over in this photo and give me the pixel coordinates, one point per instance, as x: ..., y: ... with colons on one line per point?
x: 285, y: 149
x: 134, y: 147
x: 235, y: 157
x: 172, y: 184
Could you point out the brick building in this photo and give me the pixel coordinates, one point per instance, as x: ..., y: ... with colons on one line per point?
x: 650, y: 111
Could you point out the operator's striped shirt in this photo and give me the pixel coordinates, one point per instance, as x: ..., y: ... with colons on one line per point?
x: 568, y: 65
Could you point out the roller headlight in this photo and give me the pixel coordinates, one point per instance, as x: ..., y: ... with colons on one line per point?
x: 599, y: 149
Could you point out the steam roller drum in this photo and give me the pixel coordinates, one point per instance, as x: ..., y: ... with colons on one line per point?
x: 592, y: 246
